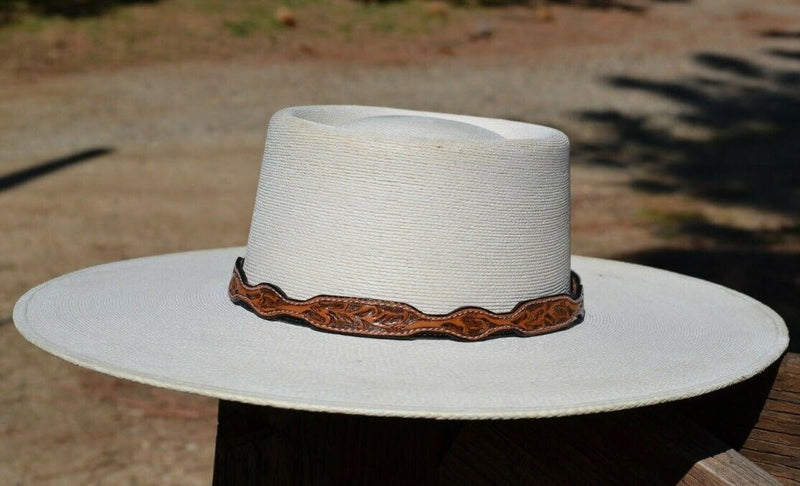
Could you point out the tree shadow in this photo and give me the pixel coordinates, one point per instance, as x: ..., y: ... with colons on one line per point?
x: 751, y: 115
x: 631, y: 6
x: 781, y: 34
x: 739, y: 148
x: 785, y: 53
x: 22, y: 176
x: 623, y: 5
x: 11, y: 9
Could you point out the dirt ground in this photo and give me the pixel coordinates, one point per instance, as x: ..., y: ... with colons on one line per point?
x: 683, y: 118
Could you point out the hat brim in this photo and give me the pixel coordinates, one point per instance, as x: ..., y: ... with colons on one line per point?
x: 649, y: 336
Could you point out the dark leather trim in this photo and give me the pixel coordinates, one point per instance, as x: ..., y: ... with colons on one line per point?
x: 383, y: 318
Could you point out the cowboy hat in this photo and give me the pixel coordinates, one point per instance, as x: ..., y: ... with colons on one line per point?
x: 410, y: 264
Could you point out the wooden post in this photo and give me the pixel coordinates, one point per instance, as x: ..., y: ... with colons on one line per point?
x: 265, y: 445
x: 774, y: 441
x: 654, y: 445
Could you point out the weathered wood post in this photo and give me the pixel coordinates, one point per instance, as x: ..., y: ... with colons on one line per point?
x: 665, y: 444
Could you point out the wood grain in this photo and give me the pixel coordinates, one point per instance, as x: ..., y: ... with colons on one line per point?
x: 774, y: 441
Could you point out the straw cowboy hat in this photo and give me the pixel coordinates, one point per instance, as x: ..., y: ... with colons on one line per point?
x: 409, y: 264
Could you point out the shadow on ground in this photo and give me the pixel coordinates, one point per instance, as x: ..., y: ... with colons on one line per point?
x: 623, y: 5
x: 750, y: 115
x: 12, y: 9
x: 740, y: 148
x: 22, y: 176
x: 631, y: 6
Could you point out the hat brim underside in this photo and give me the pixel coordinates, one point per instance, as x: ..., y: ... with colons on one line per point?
x: 649, y: 336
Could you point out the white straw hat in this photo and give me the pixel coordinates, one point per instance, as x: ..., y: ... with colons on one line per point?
x: 373, y: 223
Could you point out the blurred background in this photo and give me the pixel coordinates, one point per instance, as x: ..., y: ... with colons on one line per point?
x: 132, y: 128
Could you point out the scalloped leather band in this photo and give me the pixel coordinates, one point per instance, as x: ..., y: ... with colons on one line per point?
x: 384, y: 318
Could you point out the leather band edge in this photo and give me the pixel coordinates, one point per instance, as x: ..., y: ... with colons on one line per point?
x: 383, y: 318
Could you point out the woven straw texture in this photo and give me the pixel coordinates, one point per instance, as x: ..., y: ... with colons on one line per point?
x: 438, y: 211
x: 649, y: 336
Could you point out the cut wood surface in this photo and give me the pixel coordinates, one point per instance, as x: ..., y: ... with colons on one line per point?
x: 774, y: 441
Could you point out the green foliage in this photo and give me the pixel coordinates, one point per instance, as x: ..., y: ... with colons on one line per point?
x: 241, y: 28
x: 670, y: 224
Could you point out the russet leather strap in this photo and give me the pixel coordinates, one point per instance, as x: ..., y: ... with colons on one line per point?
x: 383, y: 318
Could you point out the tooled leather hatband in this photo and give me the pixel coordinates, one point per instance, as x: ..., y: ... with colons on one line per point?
x: 384, y: 318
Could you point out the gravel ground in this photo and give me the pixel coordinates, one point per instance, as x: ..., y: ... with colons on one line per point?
x: 174, y: 153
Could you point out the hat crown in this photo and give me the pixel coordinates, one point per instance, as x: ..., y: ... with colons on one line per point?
x: 439, y: 211
x: 409, y: 126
